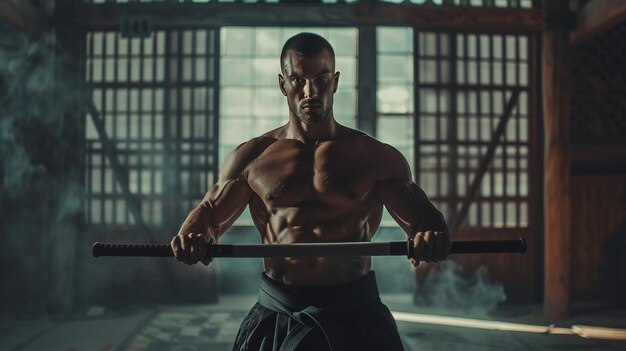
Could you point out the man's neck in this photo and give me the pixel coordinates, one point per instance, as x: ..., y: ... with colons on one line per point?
x: 311, y: 133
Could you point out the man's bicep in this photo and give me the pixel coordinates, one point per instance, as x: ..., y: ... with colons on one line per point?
x: 225, y: 201
x: 407, y: 203
x: 227, y: 198
x: 394, y: 189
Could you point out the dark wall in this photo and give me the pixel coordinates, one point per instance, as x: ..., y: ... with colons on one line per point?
x: 599, y: 237
x: 598, y: 107
x: 598, y: 135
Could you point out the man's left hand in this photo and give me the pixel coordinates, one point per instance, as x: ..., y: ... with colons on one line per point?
x: 430, y: 246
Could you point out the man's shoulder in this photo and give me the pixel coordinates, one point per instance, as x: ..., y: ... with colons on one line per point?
x: 250, y: 149
x: 363, y: 140
x: 380, y: 155
x: 350, y: 135
x: 239, y: 159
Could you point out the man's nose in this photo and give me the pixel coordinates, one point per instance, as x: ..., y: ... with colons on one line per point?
x: 310, y: 90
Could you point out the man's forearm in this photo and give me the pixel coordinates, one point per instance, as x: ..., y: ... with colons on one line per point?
x: 434, y: 221
x: 428, y: 217
x: 198, y: 222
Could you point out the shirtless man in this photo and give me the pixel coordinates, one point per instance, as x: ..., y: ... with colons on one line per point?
x: 314, y: 180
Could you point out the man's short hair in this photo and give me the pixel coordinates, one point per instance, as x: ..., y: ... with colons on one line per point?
x: 307, y: 44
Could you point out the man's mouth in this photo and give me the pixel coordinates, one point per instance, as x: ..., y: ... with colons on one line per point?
x: 311, y: 106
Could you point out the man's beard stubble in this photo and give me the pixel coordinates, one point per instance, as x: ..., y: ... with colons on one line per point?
x: 313, y: 117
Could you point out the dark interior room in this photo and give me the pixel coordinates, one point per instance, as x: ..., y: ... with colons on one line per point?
x: 312, y: 175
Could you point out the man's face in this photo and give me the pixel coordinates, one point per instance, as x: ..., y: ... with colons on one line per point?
x: 309, y: 84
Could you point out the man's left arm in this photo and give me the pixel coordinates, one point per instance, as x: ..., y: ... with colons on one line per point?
x: 410, y: 207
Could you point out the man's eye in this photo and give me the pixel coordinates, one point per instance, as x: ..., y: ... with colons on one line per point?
x: 322, y: 79
x: 297, y: 81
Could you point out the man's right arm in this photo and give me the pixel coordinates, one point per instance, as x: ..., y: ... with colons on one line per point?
x: 220, y: 207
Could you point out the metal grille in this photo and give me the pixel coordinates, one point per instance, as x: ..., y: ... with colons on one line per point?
x: 598, y: 111
x: 463, y: 82
x: 156, y: 98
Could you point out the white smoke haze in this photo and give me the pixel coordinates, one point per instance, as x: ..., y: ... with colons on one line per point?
x: 447, y: 289
x: 41, y: 193
x: 39, y: 90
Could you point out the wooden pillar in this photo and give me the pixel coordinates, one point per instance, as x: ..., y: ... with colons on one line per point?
x: 557, y: 230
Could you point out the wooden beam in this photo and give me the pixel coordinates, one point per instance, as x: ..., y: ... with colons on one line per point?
x: 598, y: 159
x: 557, y: 230
x: 596, y: 17
x: 23, y: 16
x: 446, y: 18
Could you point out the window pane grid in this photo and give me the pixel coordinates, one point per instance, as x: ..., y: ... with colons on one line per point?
x: 395, y: 88
x: 159, y: 116
x: 464, y: 81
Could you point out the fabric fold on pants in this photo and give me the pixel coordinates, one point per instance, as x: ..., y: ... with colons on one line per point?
x: 290, y: 318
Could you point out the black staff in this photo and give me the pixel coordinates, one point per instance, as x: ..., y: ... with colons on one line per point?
x: 394, y: 248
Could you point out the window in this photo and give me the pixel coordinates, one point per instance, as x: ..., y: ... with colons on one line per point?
x: 463, y: 83
x: 394, y: 94
x: 394, y: 85
x: 155, y: 97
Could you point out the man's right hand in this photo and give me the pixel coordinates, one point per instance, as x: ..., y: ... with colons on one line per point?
x: 192, y: 248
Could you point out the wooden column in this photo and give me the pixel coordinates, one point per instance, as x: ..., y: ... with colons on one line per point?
x: 557, y: 230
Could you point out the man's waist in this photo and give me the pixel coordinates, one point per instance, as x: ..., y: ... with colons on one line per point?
x: 360, y: 290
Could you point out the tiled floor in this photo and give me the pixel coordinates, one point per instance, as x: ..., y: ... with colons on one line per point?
x: 202, y: 329
x: 213, y: 327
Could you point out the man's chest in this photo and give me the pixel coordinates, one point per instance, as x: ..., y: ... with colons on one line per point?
x: 291, y: 173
